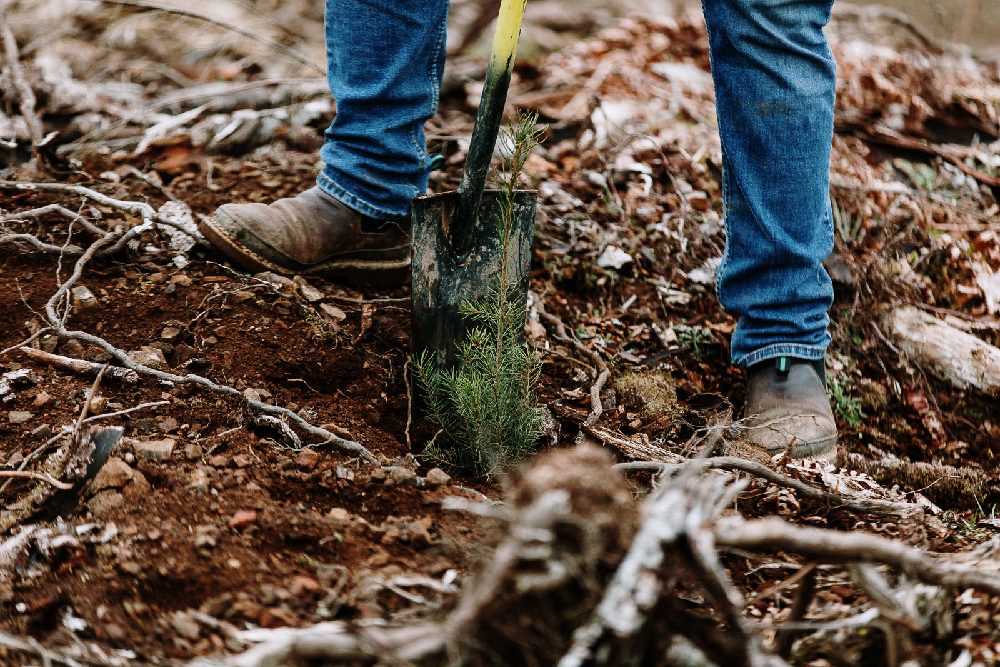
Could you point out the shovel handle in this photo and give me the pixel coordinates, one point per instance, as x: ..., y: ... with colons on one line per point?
x: 484, y: 133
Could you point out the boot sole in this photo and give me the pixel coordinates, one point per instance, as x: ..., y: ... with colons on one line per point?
x: 367, y: 272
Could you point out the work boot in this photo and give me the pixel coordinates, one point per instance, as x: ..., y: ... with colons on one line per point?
x: 787, y: 409
x: 312, y: 234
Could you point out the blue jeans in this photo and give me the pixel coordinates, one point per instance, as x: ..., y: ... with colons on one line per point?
x: 774, y: 81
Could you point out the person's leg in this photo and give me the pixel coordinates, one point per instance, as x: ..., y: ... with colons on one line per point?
x: 385, y: 63
x: 775, y: 80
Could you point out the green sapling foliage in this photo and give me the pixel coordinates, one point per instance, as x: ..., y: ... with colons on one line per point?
x: 486, y: 407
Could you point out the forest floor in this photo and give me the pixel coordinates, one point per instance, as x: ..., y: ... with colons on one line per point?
x: 208, y: 518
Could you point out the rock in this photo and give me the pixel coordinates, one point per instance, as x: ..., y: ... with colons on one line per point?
x: 149, y: 356
x: 339, y: 515
x: 307, y: 459
x: 155, y: 450
x: 284, y: 285
x: 242, y: 519
x: 206, y: 536
x: 48, y: 343
x: 437, y: 477
x: 193, y: 451
x: 391, y: 534
x: 181, y: 279
x: 73, y: 348
x: 84, y: 300
x: 378, y: 476
x: 403, y: 476
x: 334, y: 313
x: 15, y: 459
x: 114, y: 633
x: 185, y: 626
x: 167, y: 424
x: 302, y: 587
x: 114, y: 474
x: 197, y: 481
x: 310, y: 293
x: 43, y: 432
x: 419, y: 533
x: 97, y: 404
x: 105, y: 502
x: 18, y: 416
x: 337, y: 430
x: 218, y: 461
x: 170, y: 334
x: 277, y: 617
x: 241, y: 461
x: 252, y: 394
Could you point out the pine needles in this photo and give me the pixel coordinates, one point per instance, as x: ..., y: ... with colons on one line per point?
x: 486, y: 406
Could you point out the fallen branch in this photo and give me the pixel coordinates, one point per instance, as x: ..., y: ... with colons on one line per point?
x: 87, y: 368
x: 48, y: 479
x: 773, y: 535
x: 732, y: 463
x: 24, y: 92
x: 119, y: 413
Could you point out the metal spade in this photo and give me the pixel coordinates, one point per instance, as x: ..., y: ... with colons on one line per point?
x: 458, y: 235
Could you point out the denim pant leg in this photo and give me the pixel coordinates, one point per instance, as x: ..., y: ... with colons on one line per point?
x: 774, y: 85
x: 385, y: 60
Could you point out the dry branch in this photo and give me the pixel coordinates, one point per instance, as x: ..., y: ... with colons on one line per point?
x: 87, y: 368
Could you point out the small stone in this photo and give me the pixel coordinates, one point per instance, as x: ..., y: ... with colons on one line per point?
x: 284, y: 285
x: 277, y: 617
x: 303, y: 587
x: 206, y: 536
x: 193, y: 451
x: 181, y: 279
x: 307, y: 459
x: 337, y: 430
x: 419, y: 534
x: 210, y: 341
x: 339, y: 515
x: 378, y: 476
x: 149, y: 356
x: 43, y: 432
x: 155, y: 450
x: 345, y: 474
x: 114, y: 632
x: 221, y: 331
x: 105, y: 502
x: 130, y: 567
x: 403, y: 476
x: 170, y: 334
x: 437, y: 477
x: 242, y: 519
x: 391, y: 534
x: 185, y: 625
x: 167, y: 424
x: 698, y: 200
x: 334, y: 313
x: 241, y: 461
x: 310, y: 293
x: 15, y: 459
x: 84, y: 300
x: 18, y: 416
x: 218, y: 461
x: 197, y: 481
x: 129, y: 458
x: 114, y: 474
x: 252, y: 394
x: 97, y: 405
x: 159, y: 278
x: 73, y: 348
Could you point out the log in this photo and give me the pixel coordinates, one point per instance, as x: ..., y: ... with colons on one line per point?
x: 946, y: 352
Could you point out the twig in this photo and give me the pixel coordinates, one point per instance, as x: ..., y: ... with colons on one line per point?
x: 36, y: 475
x: 409, y: 401
x: 109, y: 415
x: 138, y: 4
x: 25, y: 343
x: 38, y: 450
x: 86, y: 404
x: 31, y: 646
x: 79, y: 365
x: 863, y: 506
x: 803, y: 595
x: 773, y: 534
x: 61, y: 210
x: 24, y: 92
x: 346, y: 299
x: 596, y: 409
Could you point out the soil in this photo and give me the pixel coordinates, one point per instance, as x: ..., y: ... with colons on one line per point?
x: 237, y: 523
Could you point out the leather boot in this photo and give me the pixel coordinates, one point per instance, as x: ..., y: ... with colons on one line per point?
x: 312, y: 234
x: 787, y: 408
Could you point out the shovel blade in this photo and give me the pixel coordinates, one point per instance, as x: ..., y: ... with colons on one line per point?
x: 442, y: 281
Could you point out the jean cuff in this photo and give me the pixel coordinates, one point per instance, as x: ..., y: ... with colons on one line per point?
x: 330, y: 187
x: 782, y: 350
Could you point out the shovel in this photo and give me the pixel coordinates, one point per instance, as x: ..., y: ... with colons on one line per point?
x: 458, y: 236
